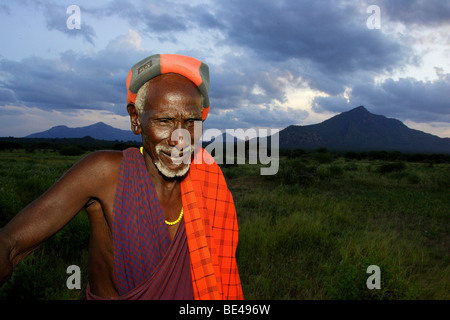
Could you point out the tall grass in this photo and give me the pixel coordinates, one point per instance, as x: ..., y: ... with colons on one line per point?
x: 24, y: 177
x: 312, y: 231
x: 309, y: 232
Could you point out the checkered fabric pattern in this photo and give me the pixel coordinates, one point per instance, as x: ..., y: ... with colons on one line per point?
x: 212, y: 231
x: 148, y: 263
x: 201, y: 262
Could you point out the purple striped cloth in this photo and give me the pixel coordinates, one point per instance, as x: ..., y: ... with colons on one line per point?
x: 148, y: 264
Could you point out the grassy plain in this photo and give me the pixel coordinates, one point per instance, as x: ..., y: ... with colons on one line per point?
x: 308, y: 232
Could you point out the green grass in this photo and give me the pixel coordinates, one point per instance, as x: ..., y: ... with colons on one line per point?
x: 309, y: 232
x: 25, y: 176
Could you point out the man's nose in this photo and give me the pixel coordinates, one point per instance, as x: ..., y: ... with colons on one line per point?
x: 180, y: 138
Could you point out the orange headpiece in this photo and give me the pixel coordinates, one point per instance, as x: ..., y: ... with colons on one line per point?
x: 155, y: 65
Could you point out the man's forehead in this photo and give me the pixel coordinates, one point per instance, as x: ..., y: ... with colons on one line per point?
x: 172, y: 87
x: 171, y: 113
x: 172, y: 78
x: 175, y: 106
x: 173, y: 94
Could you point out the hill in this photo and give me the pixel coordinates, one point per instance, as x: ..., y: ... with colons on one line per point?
x: 98, y: 131
x: 360, y: 130
x: 354, y: 130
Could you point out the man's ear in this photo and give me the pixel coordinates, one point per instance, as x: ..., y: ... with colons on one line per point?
x: 134, y: 118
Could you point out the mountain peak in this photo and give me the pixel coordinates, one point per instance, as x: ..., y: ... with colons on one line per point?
x: 101, y: 124
x: 359, y: 109
x: 358, y: 129
x: 357, y: 115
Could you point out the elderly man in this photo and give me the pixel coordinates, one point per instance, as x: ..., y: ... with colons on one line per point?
x: 163, y: 222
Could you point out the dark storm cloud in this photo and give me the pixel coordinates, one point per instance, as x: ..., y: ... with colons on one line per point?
x: 316, y: 39
x: 416, y: 12
x: 56, y: 17
x: 408, y: 98
x: 324, y: 45
x: 272, y: 45
x: 71, y: 81
x: 405, y: 98
x: 162, y: 17
x: 327, y: 45
x: 241, y: 81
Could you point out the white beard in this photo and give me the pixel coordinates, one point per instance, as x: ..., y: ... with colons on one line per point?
x: 166, y: 172
x: 170, y: 173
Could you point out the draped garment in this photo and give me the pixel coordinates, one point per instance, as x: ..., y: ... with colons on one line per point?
x: 200, y: 262
x: 148, y: 264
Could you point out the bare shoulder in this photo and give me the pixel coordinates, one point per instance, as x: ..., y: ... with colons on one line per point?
x: 92, y: 172
x: 105, y: 159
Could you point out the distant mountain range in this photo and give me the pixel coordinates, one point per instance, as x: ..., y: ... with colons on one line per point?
x: 99, y: 131
x: 354, y: 130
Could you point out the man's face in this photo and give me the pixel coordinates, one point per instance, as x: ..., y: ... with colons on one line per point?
x: 173, y: 102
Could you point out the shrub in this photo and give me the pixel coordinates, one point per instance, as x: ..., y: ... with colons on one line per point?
x: 352, y: 155
x: 71, y: 151
x: 326, y: 172
x: 296, y: 172
x: 413, y: 178
x: 392, y: 167
x: 8, y: 145
x: 323, y: 157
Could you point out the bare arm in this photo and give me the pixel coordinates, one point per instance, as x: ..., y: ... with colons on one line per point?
x: 54, y: 209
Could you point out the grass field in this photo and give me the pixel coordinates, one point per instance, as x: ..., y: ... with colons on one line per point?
x: 309, y: 232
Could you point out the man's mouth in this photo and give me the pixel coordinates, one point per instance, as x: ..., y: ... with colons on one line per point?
x: 176, y: 156
x: 173, y: 162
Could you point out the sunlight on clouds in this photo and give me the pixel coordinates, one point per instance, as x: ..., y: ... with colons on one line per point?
x: 430, y: 44
x: 302, y: 99
x: 440, y: 129
x: 131, y: 40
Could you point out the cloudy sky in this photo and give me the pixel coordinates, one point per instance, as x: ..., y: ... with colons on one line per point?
x: 272, y: 63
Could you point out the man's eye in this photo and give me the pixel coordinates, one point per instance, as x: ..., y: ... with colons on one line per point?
x: 165, y: 120
x: 191, y: 122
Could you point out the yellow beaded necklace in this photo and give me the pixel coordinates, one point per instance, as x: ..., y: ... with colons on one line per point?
x: 181, y: 214
x: 176, y: 221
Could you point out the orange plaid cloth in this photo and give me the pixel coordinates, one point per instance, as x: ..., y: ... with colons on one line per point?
x: 212, y: 231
